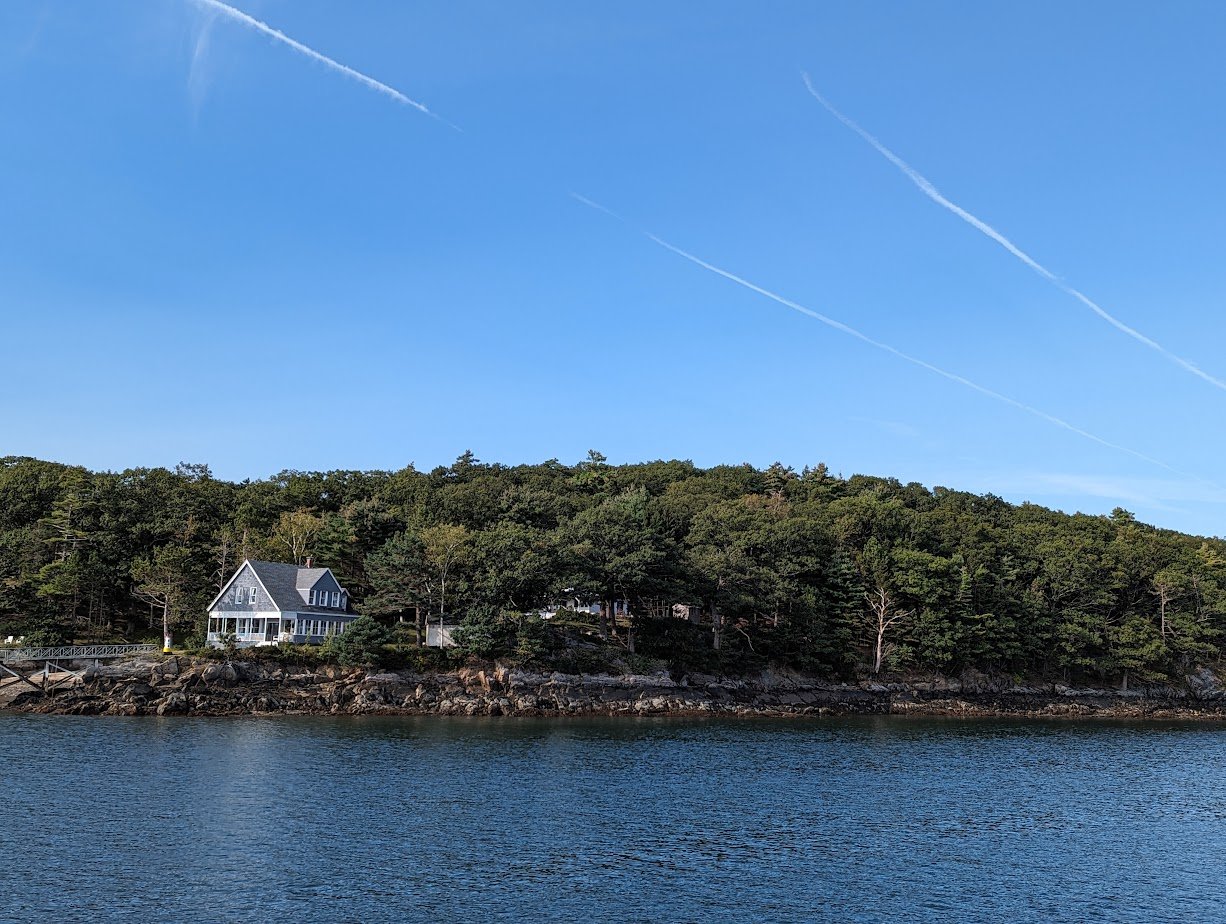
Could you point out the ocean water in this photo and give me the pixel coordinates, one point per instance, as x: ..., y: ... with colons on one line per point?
x: 434, y: 819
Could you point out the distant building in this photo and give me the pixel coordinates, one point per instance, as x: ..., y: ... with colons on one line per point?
x: 269, y: 602
x: 687, y: 611
x: 621, y: 609
x: 575, y: 605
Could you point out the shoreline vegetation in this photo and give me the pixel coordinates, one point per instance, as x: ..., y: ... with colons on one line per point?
x: 173, y: 685
x: 659, y: 569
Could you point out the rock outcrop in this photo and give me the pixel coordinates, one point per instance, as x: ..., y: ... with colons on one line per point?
x: 181, y: 686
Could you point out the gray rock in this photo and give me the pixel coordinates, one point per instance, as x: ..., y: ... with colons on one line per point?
x: 222, y: 674
x: 135, y: 692
x: 1204, y: 684
x: 174, y: 704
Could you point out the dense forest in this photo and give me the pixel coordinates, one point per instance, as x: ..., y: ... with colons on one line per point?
x: 845, y: 577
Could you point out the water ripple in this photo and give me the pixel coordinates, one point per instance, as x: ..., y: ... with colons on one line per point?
x: 868, y: 819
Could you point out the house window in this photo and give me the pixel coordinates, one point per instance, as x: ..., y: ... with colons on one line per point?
x: 314, y: 595
x: 251, y: 595
x: 336, y: 598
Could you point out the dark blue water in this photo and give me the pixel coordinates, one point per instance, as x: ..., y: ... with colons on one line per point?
x: 322, y: 820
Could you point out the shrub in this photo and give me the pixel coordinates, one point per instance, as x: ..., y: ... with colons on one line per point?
x: 685, y: 646
x: 485, y: 634
x: 641, y: 664
x: 405, y: 633
x: 588, y: 660
x: 532, y: 641
x: 50, y: 637
x: 360, y: 645
x: 488, y: 634
x: 424, y: 660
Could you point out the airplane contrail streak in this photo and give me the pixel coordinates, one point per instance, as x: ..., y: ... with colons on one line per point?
x: 253, y: 23
x: 926, y: 187
x: 894, y: 351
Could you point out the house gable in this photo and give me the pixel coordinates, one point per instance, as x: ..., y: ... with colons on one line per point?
x: 244, y: 593
x: 318, y: 587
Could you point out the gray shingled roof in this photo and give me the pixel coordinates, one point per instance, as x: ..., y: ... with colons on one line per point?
x: 308, y: 576
x: 283, y: 581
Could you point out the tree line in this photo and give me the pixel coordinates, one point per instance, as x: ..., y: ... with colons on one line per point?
x: 834, y: 575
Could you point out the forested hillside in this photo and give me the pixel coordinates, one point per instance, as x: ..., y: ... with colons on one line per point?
x: 821, y: 573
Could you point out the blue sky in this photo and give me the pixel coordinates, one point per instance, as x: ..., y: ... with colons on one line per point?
x: 215, y: 249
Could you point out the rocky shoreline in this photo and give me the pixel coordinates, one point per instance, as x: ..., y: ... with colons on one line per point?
x: 188, y: 686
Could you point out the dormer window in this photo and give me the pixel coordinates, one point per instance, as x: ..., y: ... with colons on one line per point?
x: 314, y: 595
x: 336, y: 598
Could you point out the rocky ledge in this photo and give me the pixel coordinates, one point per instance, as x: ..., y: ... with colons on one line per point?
x: 185, y: 686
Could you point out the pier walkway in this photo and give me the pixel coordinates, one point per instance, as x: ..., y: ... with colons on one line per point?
x: 52, y: 665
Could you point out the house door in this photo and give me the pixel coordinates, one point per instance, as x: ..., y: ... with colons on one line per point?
x: 270, y: 629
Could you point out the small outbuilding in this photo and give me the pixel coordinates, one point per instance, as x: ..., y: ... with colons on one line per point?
x: 268, y: 602
x: 441, y: 635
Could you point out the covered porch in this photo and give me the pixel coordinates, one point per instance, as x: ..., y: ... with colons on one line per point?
x: 268, y: 629
x: 273, y: 628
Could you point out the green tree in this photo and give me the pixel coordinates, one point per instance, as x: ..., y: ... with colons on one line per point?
x: 617, y: 553
x: 161, y: 581
x: 295, y: 534
x: 401, y: 578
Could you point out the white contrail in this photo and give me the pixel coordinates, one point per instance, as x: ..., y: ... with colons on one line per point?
x: 597, y: 206
x: 935, y: 195
x: 894, y: 351
x: 252, y: 22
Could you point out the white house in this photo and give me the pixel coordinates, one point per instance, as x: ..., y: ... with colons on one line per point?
x: 267, y: 602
